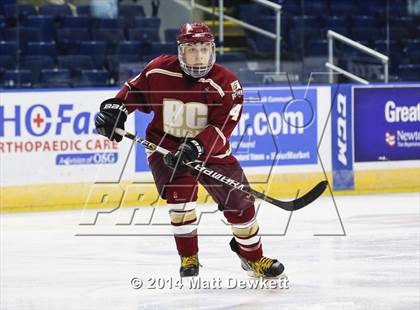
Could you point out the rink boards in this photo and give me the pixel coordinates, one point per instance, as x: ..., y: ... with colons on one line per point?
x: 363, y: 139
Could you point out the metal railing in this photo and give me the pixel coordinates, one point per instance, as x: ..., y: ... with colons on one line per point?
x: 276, y: 36
x: 331, y: 35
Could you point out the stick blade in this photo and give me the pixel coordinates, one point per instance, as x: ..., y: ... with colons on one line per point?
x: 305, y: 200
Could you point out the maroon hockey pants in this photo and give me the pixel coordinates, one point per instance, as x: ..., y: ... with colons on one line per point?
x: 180, y: 192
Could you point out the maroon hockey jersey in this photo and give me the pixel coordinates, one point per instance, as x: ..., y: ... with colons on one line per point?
x: 207, y: 108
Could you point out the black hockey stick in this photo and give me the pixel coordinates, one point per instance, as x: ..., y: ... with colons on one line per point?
x: 292, y: 205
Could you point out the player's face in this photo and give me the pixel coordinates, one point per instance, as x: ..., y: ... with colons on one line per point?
x: 197, y: 54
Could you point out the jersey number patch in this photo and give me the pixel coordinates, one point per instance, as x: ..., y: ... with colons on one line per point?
x: 235, y: 112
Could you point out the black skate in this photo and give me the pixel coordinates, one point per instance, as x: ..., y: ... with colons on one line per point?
x: 264, y: 267
x: 189, y: 266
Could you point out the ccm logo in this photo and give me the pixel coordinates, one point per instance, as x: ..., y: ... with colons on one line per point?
x: 341, y: 129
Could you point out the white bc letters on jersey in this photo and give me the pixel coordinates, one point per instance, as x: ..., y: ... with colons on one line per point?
x: 184, y: 119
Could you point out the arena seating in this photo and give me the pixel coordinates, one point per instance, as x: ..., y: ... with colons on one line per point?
x: 81, y: 50
x: 75, y: 50
x: 305, y: 24
x: 21, y: 78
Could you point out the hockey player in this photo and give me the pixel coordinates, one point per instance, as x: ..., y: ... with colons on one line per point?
x: 196, y: 105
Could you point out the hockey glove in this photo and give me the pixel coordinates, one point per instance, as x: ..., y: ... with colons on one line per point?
x: 187, y: 152
x: 112, y: 114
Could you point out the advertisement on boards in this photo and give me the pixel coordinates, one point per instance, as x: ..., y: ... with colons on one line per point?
x: 387, y: 123
x: 50, y: 136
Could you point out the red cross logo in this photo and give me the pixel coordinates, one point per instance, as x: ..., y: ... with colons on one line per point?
x: 38, y: 120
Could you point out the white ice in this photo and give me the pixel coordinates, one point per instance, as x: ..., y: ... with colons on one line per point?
x: 50, y: 261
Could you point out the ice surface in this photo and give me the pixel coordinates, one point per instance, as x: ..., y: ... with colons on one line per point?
x: 368, y: 260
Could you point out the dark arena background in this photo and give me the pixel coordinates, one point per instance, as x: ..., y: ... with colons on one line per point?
x: 331, y: 91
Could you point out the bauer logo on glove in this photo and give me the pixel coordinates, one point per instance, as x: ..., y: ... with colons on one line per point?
x: 112, y: 114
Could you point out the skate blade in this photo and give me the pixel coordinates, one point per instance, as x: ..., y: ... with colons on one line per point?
x: 252, y: 274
